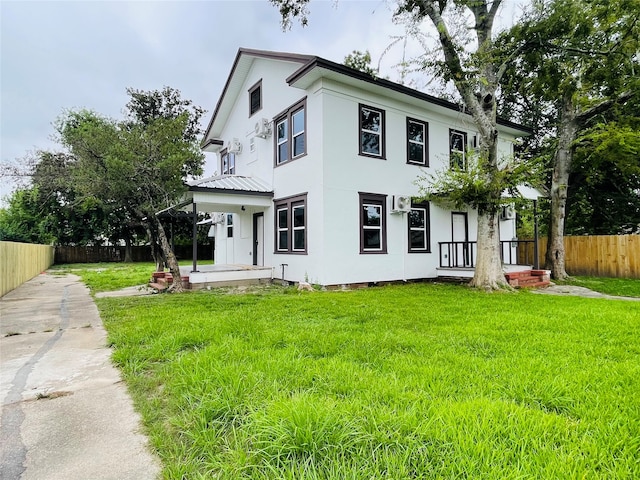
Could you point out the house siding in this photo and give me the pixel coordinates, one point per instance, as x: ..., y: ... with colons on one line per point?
x: 332, y: 173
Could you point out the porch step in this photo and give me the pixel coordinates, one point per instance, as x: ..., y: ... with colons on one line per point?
x: 529, y: 278
x: 162, y: 280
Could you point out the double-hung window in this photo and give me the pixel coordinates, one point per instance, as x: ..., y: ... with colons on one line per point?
x: 417, y: 142
x: 373, y: 224
x: 371, y: 135
x: 418, y: 225
x: 457, y: 150
x: 291, y: 133
x: 255, y: 98
x: 228, y: 163
x: 291, y: 224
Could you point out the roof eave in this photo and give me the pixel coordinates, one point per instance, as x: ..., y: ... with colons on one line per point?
x: 292, y: 57
x: 321, y: 63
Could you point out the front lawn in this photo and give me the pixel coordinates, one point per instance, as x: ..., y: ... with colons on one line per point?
x: 622, y: 287
x: 414, y: 381
x: 104, y: 277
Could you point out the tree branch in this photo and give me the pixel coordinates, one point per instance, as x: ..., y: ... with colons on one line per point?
x: 604, y: 106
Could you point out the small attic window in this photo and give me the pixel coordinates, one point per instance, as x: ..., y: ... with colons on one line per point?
x: 255, y: 98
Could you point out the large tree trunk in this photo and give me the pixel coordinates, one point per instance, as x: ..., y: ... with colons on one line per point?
x: 156, y: 251
x: 172, y: 261
x: 488, y: 272
x: 571, y: 120
x: 567, y: 131
x: 127, y: 250
x: 482, y: 106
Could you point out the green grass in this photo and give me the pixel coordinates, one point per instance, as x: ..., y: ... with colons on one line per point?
x: 415, y: 381
x: 623, y: 287
x: 105, y: 277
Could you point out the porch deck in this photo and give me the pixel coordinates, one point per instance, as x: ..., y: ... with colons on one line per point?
x: 519, y: 262
x: 218, y: 275
x: 227, y: 274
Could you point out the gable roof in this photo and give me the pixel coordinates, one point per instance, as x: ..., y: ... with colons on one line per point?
x: 313, y: 68
x: 239, y: 70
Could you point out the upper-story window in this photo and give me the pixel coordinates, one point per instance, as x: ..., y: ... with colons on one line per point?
x: 291, y: 133
x: 228, y: 163
x: 255, y: 98
x: 417, y: 142
x: 371, y: 126
x: 457, y: 150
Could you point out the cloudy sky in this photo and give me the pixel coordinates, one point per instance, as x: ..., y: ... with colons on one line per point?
x: 58, y: 55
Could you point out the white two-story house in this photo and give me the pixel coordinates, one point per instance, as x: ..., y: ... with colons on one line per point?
x: 316, y: 170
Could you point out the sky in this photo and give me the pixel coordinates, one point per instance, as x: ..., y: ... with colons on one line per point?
x: 61, y: 55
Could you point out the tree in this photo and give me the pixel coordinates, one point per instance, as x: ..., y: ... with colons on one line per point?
x: 475, y: 66
x: 48, y: 211
x: 604, y: 187
x: 578, y: 61
x: 22, y: 220
x: 137, y: 166
x: 360, y: 61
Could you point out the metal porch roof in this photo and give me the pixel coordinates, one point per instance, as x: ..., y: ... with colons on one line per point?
x: 231, y: 184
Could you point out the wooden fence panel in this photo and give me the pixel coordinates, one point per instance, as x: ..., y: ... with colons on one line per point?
x: 20, y: 262
x: 73, y: 254
x: 597, y: 255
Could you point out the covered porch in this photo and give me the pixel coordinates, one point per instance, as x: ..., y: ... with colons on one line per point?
x: 217, y: 197
x: 519, y: 258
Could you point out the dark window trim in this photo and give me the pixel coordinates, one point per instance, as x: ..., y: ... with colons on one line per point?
x: 289, y: 203
x: 287, y: 115
x: 327, y: 65
x: 464, y: 145
x: 383, y: 149
x: 229, y: 225
x: 427, y: 221
x: 376, y: 199
x: 229, y: 154
x: 256, y: 86
x: 425, y: 163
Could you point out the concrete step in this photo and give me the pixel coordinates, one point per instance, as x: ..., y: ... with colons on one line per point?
x: 162, y: 280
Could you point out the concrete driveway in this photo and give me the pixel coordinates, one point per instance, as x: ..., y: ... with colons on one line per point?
x: 66, y: 413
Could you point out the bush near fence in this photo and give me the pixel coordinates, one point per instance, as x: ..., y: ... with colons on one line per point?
x: 74, y: 254
x: 615, y: 256
x: 20, y: 262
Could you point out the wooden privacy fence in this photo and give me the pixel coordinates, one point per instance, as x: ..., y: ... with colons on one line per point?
x: 597, y: 255
x: 73, y: 254
x: 20, y: 262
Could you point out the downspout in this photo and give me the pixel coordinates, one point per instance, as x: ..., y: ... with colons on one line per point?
x: 536, y: 262
x: 195, y: 238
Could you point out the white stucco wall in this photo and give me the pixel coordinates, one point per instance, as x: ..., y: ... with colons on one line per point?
x: 332, y: 173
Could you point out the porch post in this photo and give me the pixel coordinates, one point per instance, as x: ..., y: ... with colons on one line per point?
x: 195, y: 238
x: 536, y: 263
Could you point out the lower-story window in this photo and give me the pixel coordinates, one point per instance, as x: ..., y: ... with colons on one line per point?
x: 229, y: 225
x: 373, y: 223
x: 418, y: 224
x: 291, y: 224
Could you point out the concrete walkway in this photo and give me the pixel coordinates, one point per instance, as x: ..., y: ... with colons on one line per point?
x: 65, y: 412
x: 576, y: 291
